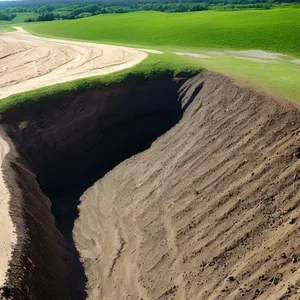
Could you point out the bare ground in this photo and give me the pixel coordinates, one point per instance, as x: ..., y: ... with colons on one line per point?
x: 210, y: 211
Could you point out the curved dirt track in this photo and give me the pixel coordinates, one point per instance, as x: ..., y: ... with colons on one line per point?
x: 28, y: 62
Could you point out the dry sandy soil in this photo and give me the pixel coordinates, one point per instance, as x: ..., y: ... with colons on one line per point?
x: 28, y: 62
x: 7, y: 237
x: 209, y: 211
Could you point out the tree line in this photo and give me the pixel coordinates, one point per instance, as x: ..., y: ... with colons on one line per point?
x: 58, y: 10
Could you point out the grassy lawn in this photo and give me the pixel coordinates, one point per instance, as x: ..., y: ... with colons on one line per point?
x: 275, y: 30
x: 277, y: 77
x: 5, y: 26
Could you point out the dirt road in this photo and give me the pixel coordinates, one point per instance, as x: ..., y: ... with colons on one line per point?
x: 28, y: 62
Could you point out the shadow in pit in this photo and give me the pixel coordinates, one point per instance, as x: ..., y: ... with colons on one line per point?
x: 120, y: 141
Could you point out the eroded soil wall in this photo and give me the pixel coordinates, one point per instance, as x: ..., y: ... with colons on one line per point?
x: 38, y: 269
x: 62, y: 147
x: 209, y: 211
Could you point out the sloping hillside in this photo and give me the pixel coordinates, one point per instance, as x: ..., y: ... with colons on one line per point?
x: 210, y: 211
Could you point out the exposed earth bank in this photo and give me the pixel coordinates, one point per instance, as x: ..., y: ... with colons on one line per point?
x: 210, y: 209
x: 63, y: 146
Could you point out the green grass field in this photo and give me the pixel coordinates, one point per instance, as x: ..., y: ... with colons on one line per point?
x: 18, y: 20
x: 23, y: 16
x: 277, y: 77
x: 5, y: 26
x: 3, y: 23
x: 275, y: 30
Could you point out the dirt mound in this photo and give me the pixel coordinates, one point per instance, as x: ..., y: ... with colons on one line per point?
x: 209, y: 210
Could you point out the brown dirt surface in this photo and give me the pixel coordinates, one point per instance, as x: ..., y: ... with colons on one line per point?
x: 209, y: 211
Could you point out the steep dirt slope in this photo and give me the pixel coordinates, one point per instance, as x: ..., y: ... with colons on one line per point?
x: 210, y: 211
x: 59, y: 148
x: 38, y: 268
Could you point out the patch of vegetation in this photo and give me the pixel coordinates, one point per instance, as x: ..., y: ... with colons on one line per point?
x: 277, y: 77
x: 154, y: 66
x: 16, y: 18
x: 7, y: 17
x: 6, y: 26
x: 22, y: 16
x: 48, y: 16
x: 271, y: 30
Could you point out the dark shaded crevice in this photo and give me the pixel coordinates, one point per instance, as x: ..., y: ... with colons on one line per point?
x: 30, y: 276
x: 196, y: 91
x: 65, y: 200
x: 71, y: 142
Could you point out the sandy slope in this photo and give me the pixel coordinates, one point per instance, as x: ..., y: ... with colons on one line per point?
x: 210, y: 211
x: 28, y: 62
x: 7, y: 236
